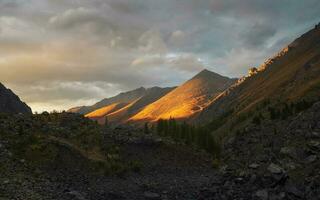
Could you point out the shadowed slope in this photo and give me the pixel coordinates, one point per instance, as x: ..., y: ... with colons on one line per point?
x: 11, y: 103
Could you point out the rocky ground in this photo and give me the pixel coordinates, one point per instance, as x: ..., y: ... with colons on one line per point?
x: 281, y: 158
x: 276, y: 160
x: 164, y: 172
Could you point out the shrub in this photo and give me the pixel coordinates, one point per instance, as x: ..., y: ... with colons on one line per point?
x: 135, y: 165
x: 216, y: 163
x: 256, y: 120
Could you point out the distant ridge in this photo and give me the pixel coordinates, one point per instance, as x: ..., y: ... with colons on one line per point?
x: 120, y: 108
x: 123, y: 98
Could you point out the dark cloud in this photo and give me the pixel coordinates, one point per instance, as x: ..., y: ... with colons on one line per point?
x: 56, y: 53
x: 258, y: 34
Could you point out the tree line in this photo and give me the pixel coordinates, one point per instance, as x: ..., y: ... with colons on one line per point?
x: 199, y: 137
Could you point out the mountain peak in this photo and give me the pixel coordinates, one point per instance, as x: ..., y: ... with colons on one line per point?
x: 207, y: 75
x: 204, y: 72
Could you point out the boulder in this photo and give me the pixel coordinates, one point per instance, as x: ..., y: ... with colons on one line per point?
x: 254, y: 166
x: 151, y: 195
x: 262, y: 194
x: 275, y: 169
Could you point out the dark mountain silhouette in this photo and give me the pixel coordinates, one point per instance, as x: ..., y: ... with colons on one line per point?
x: 11, y: 103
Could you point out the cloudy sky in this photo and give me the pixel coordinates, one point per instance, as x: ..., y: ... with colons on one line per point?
x: 60, y: 53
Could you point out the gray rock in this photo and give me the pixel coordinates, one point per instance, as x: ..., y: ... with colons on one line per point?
x: 275, y: 169
x: 314, y: 134
x: 288, y: 151
x: 151, y: 195
x: 262, y: 194
x: 290, y: 165
x: 253, y: 178
x: 311, y: 159
x: 254, y: 166
x: 291, y: 189
x: 314, y: 145
x: 76, y: 195
x: 280, y: 196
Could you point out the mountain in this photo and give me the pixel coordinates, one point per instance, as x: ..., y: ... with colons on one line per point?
x: 122, y: 98
x: 99, y: 114
x: 152, y: 95
x: 291, y: 76
x: 186, y: 100
x: 120, y: 108
x: 11, y: 103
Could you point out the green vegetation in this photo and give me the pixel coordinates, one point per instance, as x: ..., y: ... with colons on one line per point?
x: 146, y: 128
x: 44, y: 139
x: 219, y: 121
x: 285, y: 110
x: 199, y: 137
x: 106, y: 122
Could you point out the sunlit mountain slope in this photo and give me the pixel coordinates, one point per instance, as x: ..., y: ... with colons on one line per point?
x: 186, y: 100
x: 125, y: 97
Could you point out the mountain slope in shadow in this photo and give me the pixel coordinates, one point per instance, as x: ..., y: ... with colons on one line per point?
x: 11, y: 103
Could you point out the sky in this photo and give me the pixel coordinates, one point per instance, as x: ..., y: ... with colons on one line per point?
x: 56, y: 54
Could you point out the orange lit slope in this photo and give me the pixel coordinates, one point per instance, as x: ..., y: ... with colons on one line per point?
x: 152, y: 95
x: 102, y: 112
x: 125, y: 97
x: 186, y: 100
x: 120, y: 112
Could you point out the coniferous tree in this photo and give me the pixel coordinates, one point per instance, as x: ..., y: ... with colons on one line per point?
x: 146, y: 128
x: 160, y: 127
x: 256, y: 120
x: 106, y: 122
x: 273, y: 113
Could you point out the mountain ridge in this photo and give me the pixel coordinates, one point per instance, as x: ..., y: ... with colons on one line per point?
x: 287, y: 75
